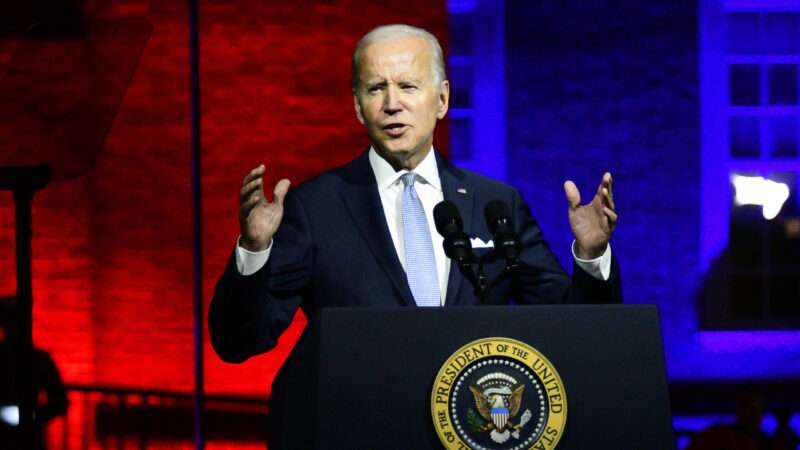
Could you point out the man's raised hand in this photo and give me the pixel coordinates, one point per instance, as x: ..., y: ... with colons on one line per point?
x: 259, y: 218
x: 592, y: 223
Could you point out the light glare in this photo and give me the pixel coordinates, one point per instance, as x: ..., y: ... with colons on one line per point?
x: 10, y: 415
x: 770, y: 195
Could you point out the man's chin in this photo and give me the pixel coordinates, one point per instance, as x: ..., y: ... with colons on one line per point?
x: 398, y: 157
x: 392, y: 151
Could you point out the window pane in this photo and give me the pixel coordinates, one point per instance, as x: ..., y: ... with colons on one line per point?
x: 743, y: 33
x: 783, y: 137
x: 765, y: 247
x: 746, y: 295
x: 790, y: 180
x: 783, y: 84
x: 784, y: 294
x: 744, y: 84
x: 460, y: 138
x: 745, y: 137
x: 784, y: 254
x: 746, y: 228
x: 783, y: 232
x: 460, y: 42
x: 781, y: 33
x: 460, y: 85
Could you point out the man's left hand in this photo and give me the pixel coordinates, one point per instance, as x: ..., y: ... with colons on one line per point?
x: 592, y: 223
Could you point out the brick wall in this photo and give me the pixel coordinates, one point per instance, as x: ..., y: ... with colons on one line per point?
x: 112, y: 235
x: 595, y: 86
x: 276, y: 89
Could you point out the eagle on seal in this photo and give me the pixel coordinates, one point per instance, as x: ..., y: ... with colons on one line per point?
x: 498, y: 406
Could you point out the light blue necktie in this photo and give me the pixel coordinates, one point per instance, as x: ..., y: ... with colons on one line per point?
x: 420, y: 262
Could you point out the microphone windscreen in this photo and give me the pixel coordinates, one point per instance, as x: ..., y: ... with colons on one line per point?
x: 496, y: 210
x: 444, y: 214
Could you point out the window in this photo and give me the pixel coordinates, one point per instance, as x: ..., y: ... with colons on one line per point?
x: 750, y: 211
x: 476, y: 64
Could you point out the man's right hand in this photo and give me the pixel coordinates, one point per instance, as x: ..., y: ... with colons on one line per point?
x: 259, y: 219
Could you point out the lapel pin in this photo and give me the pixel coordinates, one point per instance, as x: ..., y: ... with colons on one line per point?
x: 461, y: 191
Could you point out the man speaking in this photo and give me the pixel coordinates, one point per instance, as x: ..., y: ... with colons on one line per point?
x: 364, y: 234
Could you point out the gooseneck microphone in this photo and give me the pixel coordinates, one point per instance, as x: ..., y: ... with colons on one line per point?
x: 506, y: 240
x: 457, y: 245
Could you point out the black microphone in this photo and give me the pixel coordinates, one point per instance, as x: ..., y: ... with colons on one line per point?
x: 506, y: 241
x: 449, y: 224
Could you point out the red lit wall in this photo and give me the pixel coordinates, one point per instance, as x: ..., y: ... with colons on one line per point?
x: 112, y: 233
x: 276, y: 89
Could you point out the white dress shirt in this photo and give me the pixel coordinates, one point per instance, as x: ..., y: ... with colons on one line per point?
x: 429, y: 190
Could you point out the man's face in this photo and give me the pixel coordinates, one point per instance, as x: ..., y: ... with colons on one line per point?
x: 398, y: 100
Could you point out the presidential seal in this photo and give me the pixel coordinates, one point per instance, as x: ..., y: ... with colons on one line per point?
x: 498, y: 393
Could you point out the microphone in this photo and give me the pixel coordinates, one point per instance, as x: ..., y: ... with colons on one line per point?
x: 449, y: 224
x: 506, y: 241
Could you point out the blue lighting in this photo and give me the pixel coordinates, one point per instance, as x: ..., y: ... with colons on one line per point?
x: 573, y: 110
x: 700, y: 423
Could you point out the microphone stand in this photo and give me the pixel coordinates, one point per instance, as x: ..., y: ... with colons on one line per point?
x: 474, y: 272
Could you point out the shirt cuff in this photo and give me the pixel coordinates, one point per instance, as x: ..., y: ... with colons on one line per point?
x: 247, y: 262
x: 599, y: 267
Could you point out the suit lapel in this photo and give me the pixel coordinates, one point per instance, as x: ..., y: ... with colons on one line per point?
x: 364, y: 203
x: 456, y: 190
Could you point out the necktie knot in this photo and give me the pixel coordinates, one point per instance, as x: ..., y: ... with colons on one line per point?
x: 408, y: 179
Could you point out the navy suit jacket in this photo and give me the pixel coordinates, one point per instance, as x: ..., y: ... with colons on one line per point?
x: 333, y: 248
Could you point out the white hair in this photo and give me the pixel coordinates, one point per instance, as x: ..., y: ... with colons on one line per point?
x: 398, y: 31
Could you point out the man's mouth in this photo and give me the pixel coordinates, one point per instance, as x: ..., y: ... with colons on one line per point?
x: 395, y: 129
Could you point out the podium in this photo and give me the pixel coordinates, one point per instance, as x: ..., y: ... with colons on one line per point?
x: 364, y: 378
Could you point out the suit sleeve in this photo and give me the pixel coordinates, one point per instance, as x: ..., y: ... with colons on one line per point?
x: 541, y: 278
x: 248, y: 313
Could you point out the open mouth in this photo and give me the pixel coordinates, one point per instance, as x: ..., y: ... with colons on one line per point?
x: 395, y: 129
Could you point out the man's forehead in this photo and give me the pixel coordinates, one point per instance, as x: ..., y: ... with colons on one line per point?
x: 395, y: 53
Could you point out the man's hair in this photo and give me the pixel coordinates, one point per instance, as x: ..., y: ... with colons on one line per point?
x: 398, y: 31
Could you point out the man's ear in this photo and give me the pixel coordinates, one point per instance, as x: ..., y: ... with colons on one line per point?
x: 444, y: 99
x: 358, y: 109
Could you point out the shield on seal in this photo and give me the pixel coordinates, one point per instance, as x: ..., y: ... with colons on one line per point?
x: 500, y: 417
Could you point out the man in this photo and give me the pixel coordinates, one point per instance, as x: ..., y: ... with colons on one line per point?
x: 363, y: 234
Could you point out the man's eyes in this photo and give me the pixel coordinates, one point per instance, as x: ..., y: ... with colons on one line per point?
x: 381, y: 87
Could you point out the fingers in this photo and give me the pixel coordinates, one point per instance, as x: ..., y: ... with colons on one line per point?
x: 573, y: 195
x: 612, y: 217
x: 280, y: 191
x: 608, y: 199
x: 246, y: 206
x: 609, y: 192
x: 253, y: 187
x: 611, y: 214
x: 605, y: 193
x: 251, y: 182
x: 251, y: 192
x: 258, y: 172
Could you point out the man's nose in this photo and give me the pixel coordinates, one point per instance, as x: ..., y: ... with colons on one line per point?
x: 391, y: 102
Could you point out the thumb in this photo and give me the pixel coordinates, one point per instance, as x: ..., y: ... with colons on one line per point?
x: 573, y: 195
x: 280, y: 191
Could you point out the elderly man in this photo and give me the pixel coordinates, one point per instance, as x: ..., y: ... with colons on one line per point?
x: 363, y: 234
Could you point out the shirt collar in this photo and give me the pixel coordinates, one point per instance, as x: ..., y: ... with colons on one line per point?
x: 386, y: 176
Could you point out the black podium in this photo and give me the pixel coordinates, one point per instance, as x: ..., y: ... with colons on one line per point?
x: 362, y: 378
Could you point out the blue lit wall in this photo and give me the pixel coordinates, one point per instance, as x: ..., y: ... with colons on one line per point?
x: 594, y: 86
